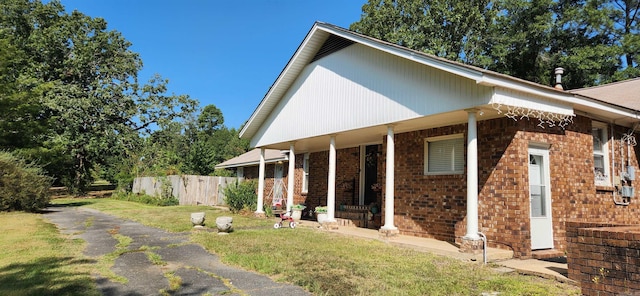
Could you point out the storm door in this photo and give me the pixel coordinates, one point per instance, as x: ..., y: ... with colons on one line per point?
x: 369, y: 179
x: 540, y: 199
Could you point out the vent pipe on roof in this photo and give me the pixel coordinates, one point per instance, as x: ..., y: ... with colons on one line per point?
x: 559, y: 71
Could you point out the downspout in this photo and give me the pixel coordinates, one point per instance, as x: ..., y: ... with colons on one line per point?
x: 484, y: 246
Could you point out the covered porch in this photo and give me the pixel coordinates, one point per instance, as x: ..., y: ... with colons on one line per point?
x: 354, y: 175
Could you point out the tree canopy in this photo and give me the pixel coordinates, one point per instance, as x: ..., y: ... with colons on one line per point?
x: 70, y: 96
x: 596, y: 41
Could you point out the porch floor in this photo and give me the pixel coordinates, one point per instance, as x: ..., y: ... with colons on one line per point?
x: 426, y: 245
x: 504, y: 258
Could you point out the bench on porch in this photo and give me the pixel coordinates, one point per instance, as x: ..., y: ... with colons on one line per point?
x: 354, y: 216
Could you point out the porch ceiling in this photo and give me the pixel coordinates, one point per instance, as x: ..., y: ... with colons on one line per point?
x: 376, y: 134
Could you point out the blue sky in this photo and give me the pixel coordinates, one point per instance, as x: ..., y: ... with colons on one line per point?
x: 226, y: 53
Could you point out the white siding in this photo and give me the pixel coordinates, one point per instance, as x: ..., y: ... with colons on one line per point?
x: 359, y: 87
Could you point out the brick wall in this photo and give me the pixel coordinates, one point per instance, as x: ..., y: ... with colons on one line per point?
x: 347, y: 177
x: 426, y: 206
x: 318, y: 174
x: 435, y: 206
x: 604, y: 258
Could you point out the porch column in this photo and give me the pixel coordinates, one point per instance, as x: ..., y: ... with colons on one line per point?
x: 389, y: 187
x: 331, y: 190
x: 260, y: 207
x: 472, y: 176
x: 291, y: 175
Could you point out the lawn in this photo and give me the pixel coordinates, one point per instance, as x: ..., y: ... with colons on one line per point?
x: 37, y: 260
x: 330, y: 264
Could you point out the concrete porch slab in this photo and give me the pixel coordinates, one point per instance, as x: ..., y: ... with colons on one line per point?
x: 426, y: 245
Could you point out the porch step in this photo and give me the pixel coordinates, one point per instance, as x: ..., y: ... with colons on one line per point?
x: 546, y: 254
x: 342, y: 222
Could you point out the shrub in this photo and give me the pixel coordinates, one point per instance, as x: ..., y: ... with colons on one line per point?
x: 146, y: 199
x: 321, y: 209
x: 23, y: 186
x: 241, y: 195
x: 298, y: 207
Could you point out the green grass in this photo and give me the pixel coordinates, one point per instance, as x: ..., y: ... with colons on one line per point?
x: 37, y: 260
x: 330, y: 264
x: 174, y: 218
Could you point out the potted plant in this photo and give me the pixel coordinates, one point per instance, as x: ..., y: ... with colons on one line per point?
x: 321, y: 213
x: 296, y: 211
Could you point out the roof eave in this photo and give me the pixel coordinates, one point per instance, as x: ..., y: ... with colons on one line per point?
x: 249, y: 163
x: 252, y: 124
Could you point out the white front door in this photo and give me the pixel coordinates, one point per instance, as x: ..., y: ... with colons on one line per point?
x: 540, y: 198
x: 278, y: 185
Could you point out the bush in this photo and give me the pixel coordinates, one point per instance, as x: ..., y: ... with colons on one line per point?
x: 23, y: 186
x: 146, y: 199
x: 241, y: 195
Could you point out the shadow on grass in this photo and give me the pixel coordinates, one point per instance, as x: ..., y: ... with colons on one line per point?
x: 46, y: 277
x: 51, y: 208
x: 71, y: 204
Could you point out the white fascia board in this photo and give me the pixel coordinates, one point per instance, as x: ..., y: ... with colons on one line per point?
x: 575, y: 100
x: 249, y: 163
x: 277, y: 84
x: 253, y: 162
x: 532, y: 89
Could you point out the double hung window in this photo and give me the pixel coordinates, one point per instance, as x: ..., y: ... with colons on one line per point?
x: 600, y: 152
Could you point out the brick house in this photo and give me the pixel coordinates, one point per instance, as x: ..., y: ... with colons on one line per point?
x: 445, y: 150
x: 246, y: 166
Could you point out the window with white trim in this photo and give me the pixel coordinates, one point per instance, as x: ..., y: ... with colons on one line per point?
x: 444, y: 155
x: 600, y: 153
x: 305, y: 173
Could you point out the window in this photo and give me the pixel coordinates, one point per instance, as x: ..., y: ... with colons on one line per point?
x: 600, y: 151
x: 240, y: 172
x: 305, y: 174
x: 444, y: 155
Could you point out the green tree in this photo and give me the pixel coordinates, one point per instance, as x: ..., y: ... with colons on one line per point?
x: 210, y: 142
x: 518, y: 37
x: 22, y: 123
x: 449, y: 29
x: 596, y: 41
x: 626, y: 16
x: 93, y: 103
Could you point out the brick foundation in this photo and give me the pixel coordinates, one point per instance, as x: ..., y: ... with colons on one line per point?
x: 388, y: 233
x: 471, y: 246
x: 604, y: 258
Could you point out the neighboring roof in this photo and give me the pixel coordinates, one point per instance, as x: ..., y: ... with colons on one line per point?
x: 252, y: 158
x: 623, y: 93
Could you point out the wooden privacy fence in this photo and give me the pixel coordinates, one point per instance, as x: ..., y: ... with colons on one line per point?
x: 188, y: 189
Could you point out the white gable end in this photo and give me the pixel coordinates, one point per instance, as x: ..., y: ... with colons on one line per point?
x: 359, y: 87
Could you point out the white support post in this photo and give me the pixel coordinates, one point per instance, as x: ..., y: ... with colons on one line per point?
x: 260, y: 207
x: 472, y: 176
x: 389, y: 210
x: 331, y: 190
x: 291, y: 175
